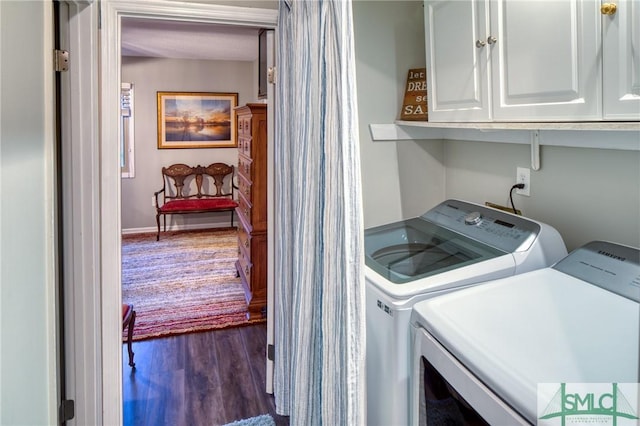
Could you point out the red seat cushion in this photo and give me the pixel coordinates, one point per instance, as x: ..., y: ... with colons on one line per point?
x: 196, y: 205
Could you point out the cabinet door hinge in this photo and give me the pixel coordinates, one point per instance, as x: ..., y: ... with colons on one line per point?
x: 67, y: 410
x: 61, y: 60
x: 271, y: 352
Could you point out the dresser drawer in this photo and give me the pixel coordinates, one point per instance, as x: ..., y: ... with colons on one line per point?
x: 244, y: 206
x: 244, y: 269
x: 244, y: 125
x: 244, y: 242
x: 244, y: 166
x: 244, y: 187
x: 244, y: 145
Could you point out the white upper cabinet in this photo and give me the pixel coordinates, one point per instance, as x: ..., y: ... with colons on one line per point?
x: 621, y: 60
x: 544, y: 60
x: 531, y: 60
x: 457, y: 74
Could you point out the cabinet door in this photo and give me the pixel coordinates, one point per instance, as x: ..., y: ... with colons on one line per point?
x: 545, y: 60
x: 621, y: 62
x: 457, y: 80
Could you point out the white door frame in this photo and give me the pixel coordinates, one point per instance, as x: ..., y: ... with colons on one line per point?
x: 97, y: 203
x: 80, y: 209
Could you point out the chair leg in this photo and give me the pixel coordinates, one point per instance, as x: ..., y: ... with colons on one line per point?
x: 158, y: 223
x: 130, y: 338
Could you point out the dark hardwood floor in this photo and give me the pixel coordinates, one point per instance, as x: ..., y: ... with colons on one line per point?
x: 208, y: 378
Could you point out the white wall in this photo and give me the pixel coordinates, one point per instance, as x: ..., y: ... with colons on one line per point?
x: 150, y: 75
x: 27, y: 259
x: 399, y: 180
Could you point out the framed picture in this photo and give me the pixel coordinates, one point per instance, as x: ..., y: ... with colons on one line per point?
x: 197, y: 120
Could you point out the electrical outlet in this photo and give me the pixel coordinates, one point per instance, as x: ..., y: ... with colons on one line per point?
x: 153, y: 201
x: 523, y: 175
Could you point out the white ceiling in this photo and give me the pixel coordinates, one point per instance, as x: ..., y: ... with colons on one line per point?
x: 188, y: 40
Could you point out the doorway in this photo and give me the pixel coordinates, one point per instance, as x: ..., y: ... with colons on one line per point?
x: 96, y: 251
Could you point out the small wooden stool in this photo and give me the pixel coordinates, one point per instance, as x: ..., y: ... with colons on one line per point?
x: 129, y: 320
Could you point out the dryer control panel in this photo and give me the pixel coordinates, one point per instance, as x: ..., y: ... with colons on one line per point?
x: 502, y: 230
x: 611, y: 266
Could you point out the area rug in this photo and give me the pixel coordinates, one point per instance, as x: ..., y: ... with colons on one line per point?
x: 184, y: 283
x: 263, y: 420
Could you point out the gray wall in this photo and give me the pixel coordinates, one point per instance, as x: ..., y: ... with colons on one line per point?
x: 27, y: 259
x: 150, y: 75
x: 586, y: 194
x: 399, y: 179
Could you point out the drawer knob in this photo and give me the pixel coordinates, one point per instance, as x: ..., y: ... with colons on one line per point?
x: 480, y: 43
x: 491, y: 39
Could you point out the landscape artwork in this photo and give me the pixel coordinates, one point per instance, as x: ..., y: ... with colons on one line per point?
x: 196, y: 120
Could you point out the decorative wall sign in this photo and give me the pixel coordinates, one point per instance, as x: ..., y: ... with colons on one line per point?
x: 414, y: 107
x: 197, y: 120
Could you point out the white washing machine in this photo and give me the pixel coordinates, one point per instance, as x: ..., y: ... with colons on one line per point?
x: 454, y: 245
x: 560, y: 345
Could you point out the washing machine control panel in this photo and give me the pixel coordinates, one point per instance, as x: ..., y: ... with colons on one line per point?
x: 498, y: 229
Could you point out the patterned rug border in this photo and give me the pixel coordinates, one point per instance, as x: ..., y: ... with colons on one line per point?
x: 152, y: 318
x: 178, y: 232
x: 198, y: 330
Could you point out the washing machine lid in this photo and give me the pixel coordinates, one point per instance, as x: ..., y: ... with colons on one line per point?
x: 449, y: 236
x: 545, y: 326
x: 416, y: 248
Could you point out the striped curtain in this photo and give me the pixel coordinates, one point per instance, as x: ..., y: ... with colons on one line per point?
x: 319, y: 278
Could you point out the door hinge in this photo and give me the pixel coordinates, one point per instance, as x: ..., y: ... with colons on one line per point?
x: 271, y: 75
x: 271, y: 352
x: 67, y: 410
x: 61, y: 59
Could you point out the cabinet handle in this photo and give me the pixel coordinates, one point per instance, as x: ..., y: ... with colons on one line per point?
x: 608, y: 8
x: 480, y: 43
x: 491, y: 39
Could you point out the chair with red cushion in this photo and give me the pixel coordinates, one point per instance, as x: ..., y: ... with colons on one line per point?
x: 199, y: 189
x: 128, y: 322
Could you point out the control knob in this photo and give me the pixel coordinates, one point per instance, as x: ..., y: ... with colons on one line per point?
x: 473, y: 218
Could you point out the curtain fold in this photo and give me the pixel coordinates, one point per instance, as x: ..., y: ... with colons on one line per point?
x: 319, y: 279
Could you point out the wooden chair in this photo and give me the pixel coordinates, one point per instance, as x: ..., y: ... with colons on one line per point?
x: 128, y: 322
x: 196, y: 189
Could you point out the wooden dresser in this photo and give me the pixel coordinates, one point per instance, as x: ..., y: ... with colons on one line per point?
x: 252, y: 209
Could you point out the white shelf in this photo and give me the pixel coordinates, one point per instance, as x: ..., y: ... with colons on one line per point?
x: 601, y: 135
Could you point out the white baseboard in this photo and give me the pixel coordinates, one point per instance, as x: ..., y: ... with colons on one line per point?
x: 181, y: 227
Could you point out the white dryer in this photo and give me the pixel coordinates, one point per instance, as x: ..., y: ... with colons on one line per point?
x: 454, y: 245
x: 560, y: 345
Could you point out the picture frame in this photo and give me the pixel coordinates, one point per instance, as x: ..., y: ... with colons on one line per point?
x: 197, y: 120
